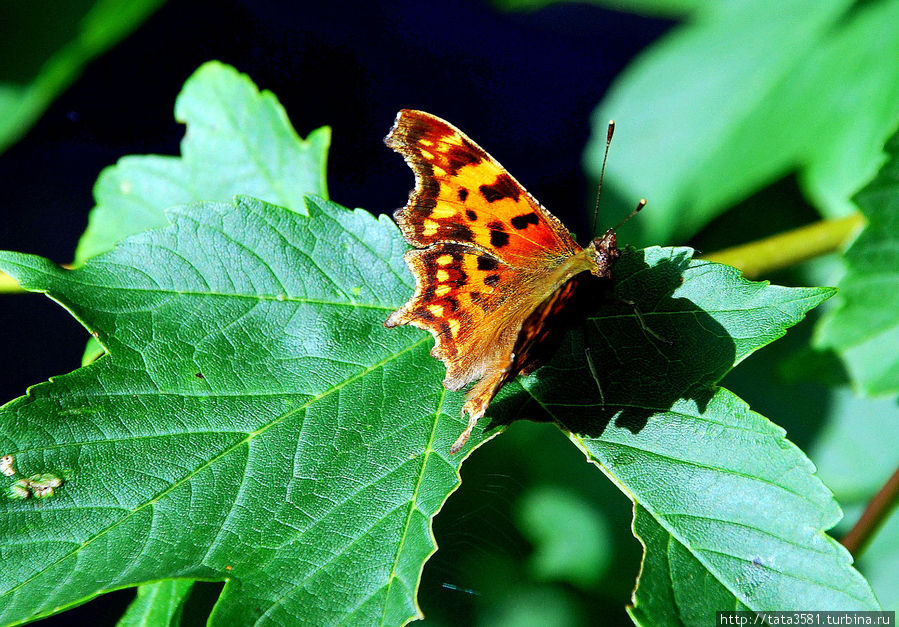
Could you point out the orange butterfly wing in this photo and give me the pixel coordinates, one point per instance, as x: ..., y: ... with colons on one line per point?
x: 463, y: 195
x: 491, y: 263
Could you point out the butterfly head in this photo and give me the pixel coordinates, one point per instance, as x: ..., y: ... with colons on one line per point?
x: 603, y: 252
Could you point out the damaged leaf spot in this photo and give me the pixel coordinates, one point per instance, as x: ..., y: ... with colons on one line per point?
x: 39, y: 486
x: 7, y: 468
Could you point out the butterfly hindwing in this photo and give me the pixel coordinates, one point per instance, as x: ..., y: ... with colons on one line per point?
x: 544, y: 328
x: 463, y: 195
x: 460, y: 291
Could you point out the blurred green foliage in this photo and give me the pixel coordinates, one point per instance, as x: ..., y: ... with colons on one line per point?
x: 864, y: 324
x: 44, y: 47
x: 743, y: 93
x: 570, y: 536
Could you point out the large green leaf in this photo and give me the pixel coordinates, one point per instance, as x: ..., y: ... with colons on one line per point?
x: 854, y: 74
x: 253, y: 423
x: 675, y: 587
x: 864, y: 328
x: 43, y: 48
x: 740, y: 505
x: 238, y: 141
x: 744, y: 93
x: 748, y: 517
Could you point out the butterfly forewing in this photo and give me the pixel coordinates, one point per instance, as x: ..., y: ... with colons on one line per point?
x: 463, y: 195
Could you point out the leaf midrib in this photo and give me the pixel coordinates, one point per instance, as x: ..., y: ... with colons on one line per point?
x: 259, y: 297
x: 213, y: 460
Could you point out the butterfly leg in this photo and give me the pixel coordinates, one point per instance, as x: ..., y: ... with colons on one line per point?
x: 592, y: 366
x: 645, y: 327
x: 463, y: 438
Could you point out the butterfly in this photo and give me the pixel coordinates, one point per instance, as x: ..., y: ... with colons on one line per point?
x: 493, y: 268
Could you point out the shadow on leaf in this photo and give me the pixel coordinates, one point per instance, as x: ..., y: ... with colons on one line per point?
x: 678, y: 351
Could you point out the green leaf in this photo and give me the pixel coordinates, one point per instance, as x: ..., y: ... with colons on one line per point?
x: 855, y: 65
x: 744, y: 94
x: 864, y: 327
x: 253, y: 422
x: 45, y: 47
x: 741, y: 508
x: 675, y: 587
x: 722, y: 481
x: 158, y: 604
x: 238, y: 141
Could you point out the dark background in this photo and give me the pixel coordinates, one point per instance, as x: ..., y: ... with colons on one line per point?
x: 522, y: 84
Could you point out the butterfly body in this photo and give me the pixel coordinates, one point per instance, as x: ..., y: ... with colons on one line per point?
x: 492, y: 266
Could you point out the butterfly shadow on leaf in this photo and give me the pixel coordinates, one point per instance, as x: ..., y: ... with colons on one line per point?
x: 650, y: 349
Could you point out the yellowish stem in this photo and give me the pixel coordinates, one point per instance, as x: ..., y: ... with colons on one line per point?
x: 8, y: 285
x: 760, y: 258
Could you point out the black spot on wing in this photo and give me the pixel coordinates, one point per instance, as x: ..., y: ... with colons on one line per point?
x: 491, y: 279
x: 478, y: 299
x: 457, y: 276
x: 471, y: 215
x: 463, y: 194
x: 487, y: 263
x: 498, y: 235
x: 502, y: 187
x: 424, y: 314
x: 522, y: 221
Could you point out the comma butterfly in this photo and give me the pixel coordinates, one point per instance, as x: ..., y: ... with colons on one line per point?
x: 492, y: 266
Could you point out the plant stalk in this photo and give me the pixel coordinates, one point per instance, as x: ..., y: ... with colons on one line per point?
x: 875, y: 513
x: 789, y: 248
x: 9, y: 285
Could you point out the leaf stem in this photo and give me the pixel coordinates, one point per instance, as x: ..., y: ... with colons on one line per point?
x: 9, y: 285
x: 787, y: 249
x: 875, y: 513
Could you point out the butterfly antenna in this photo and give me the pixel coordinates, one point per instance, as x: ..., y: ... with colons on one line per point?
x: 636, y: 210
x: 602, y: 173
